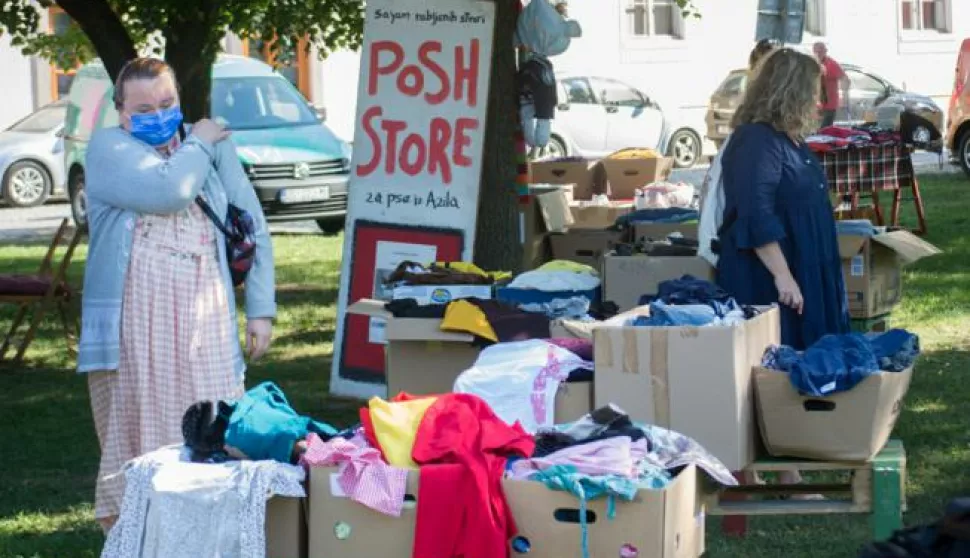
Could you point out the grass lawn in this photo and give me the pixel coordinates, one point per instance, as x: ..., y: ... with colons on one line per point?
x: 49, y: 453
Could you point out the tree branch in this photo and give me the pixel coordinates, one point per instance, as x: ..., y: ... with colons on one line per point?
x: 105, y: 30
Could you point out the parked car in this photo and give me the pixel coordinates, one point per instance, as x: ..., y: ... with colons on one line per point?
x: 958, y: 116
x: 32, y: 158
x: 597, y: 116
x: 867, y: 92
x: 298, y: 167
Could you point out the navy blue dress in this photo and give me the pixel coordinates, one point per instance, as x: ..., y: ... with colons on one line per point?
x: 776, y: 191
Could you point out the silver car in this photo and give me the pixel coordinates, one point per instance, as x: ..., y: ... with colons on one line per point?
x: 31, y: 157
x: 598, y: 116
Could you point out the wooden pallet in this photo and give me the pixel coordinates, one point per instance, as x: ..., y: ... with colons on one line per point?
x: 876, y: 488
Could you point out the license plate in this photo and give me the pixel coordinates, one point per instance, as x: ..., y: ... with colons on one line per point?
x: 721, y: 129
x: 304, y: 195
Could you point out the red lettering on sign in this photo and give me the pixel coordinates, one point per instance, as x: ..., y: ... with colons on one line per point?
x: 437, y: 150
x: 459, y: 82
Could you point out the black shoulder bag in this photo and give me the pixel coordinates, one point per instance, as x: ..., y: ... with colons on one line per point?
x: 239, y: 230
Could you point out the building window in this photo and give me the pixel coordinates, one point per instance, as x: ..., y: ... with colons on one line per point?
x: 815, y: 17
x: 58, y: 24
x: 654, y: 18
x: 297, y: 71
x: 925, y: 15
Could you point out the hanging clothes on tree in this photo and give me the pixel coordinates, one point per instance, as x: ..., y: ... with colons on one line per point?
x: 542, y: 31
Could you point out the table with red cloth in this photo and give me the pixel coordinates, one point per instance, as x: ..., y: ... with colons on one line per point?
x: 858, y: 170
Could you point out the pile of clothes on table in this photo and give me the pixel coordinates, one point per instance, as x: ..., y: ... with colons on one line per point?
x: 842, y: 137
x: 837, y: 363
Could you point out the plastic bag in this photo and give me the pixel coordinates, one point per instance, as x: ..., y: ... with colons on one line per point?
x: 712, y: 208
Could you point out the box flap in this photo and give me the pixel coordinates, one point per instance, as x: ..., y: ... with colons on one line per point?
x: 554, y: 207
x: 370, y: 307
x: 850, y: 245
x: 423, y: 329
x: 907, y: 245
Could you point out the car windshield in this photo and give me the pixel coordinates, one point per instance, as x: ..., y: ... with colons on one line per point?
x: 42, y: 121
x: 259, y: 102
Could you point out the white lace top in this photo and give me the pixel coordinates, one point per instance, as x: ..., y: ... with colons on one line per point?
x: 173, y: 507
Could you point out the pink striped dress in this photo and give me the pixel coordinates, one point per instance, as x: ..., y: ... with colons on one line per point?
x: 175, y: 346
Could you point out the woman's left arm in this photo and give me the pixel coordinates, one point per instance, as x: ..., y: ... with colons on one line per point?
x: 261, y: 281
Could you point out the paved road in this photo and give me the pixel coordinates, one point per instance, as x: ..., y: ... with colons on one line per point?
x: 38, y: 224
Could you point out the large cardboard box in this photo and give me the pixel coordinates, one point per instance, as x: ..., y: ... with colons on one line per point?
x: 575, y: 172
x: 627, y: 278
x: 589, y: 216
x: 286, y: 527
x: 341, y: 527
x: 585, y: 246
x: 665, y: 523
x: 848, y: 426
x: 626, y: 176
x: 420, y: 359
x: 872, y: 267
x: 694, y: 380
x: 543, y: 212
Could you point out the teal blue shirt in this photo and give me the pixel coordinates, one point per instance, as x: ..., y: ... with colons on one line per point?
x: 124, y: 178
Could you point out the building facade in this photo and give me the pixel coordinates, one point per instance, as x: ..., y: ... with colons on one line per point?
x: 648, y: 43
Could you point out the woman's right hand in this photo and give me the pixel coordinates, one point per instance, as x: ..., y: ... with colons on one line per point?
x: 788, y: 292
x: 209, y: 131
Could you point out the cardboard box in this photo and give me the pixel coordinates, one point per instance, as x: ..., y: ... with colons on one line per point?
x: 665, y: 523
x: 286, y: 527
x: 694, y: 380
x: 626, y: 176
x: 585, y: 246
x: 848, y: 426
x: 542, y: 212
x: 872, y: 268
x: 441, y: 294
x: 420, y: 359
x: 627, y: 278
x: 578, y: 173
x: 341, y: 527
x: 587, y: 216
x: 660, y: 231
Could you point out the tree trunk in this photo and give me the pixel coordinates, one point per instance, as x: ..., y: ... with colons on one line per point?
x: 497, y: 244
x: 192, y: 43
x: 105, y: 30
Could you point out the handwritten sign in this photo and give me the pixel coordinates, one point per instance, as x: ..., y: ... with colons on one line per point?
x: 418, y: 144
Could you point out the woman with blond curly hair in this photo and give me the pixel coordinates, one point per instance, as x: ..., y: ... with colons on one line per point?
x: 778, y: 240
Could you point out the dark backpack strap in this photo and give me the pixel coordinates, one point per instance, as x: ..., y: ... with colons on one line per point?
x: 206, y: 208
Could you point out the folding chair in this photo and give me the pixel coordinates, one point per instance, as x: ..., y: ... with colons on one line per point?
x: 43, y: 292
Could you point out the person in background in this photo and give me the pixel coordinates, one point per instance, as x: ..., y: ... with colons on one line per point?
x: 159, y: 330
x: 779, y: 242
x: 835, y: 86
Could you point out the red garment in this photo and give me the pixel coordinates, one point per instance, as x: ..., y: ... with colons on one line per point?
x: 462, y: 447
x: 831, y: 74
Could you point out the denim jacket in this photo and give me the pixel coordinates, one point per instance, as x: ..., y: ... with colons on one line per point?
x: 125, y: 178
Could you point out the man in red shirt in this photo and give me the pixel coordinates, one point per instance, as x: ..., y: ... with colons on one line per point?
x: 834, y: 82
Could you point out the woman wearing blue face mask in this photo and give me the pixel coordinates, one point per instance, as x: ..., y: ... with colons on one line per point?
x: 159, y: 329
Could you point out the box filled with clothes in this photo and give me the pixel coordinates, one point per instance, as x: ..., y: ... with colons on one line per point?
x: 839, y: 399
x: 685, y: 362
x: 872, y: 262
x: 628, y: 170
x: 585, y: 246
x: 448, y: 476
x: 627, y: 279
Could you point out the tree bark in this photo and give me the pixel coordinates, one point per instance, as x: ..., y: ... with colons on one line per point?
x: 497, y: 244
x: 105, y: 30
x: 191, y: 47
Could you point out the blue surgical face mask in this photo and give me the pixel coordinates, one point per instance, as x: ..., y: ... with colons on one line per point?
x: 156, y: 128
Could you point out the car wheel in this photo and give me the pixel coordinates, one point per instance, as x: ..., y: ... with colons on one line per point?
x: 79, y: 199
x: 964, y: 151
x: 26, y: 184
x: 555, y: 149
x: 331, y: 227
x: 685, y: 148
